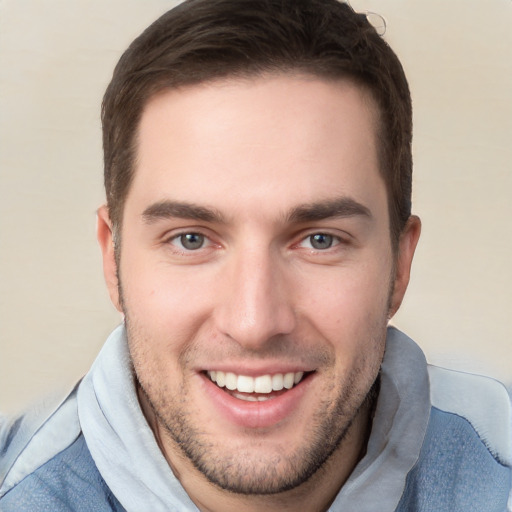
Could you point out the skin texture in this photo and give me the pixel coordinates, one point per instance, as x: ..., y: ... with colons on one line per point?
x: 254, y: 169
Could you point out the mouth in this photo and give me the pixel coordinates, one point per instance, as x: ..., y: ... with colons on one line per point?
x: 256, y: 389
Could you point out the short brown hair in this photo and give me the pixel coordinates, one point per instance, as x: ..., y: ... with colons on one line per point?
x: 204, y: 40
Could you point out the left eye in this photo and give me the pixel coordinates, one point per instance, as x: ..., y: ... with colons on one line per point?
x: 190, y: 241
x: 320, y: 241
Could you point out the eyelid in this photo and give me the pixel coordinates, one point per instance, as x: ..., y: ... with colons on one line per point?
x: 343, y: 237
x: 171, y: 236
x: 337, y: 240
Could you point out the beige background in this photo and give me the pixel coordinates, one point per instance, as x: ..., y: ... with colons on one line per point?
x: 56, y: 58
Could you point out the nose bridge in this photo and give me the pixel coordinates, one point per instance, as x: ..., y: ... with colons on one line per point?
x: 255, y: 305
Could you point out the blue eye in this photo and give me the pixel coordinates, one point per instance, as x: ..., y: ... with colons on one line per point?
x: 321, y: 241
x: 191, y: 241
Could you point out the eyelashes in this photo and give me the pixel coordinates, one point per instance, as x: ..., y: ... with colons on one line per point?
x: 320, y: 241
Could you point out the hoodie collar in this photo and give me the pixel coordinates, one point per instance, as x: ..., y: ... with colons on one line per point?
x: 131, y: 463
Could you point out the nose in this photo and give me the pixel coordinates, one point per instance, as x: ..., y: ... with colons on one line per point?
x: 255, y: 304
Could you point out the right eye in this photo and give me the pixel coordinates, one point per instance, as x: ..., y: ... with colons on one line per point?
x: 189, y: 241
x: 320, y: 241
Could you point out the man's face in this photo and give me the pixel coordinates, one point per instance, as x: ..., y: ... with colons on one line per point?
x: 256, y: 253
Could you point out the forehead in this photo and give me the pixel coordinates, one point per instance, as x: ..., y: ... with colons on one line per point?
x: 276, y: 140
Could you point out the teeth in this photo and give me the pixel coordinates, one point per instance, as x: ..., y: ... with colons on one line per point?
x: 252, y: 398
x: 244, y: 384
x: 231, y: 381
x: 288, y: 381
x: 277, y: 382
x: 263, y: 384
x: 220, y: 378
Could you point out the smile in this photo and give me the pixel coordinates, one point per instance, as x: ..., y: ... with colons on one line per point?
x: 262, y: 386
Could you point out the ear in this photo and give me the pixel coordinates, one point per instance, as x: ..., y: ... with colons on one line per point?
x: 105, y: 238
x: 406, y: 247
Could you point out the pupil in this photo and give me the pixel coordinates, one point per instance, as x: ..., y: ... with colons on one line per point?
x: 192, y: 241
x: 321, y: 241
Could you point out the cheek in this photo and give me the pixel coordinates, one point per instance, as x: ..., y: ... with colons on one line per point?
x: 350, y: 313
x: 349, y: 298
x: 165, y: 297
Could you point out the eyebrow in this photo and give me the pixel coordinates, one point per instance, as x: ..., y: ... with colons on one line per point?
x: 172, y: 209
x: 333, y: 208
x: 337, y: 208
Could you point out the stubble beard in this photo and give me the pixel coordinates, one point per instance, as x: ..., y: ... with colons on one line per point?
x: 248, y: 468
x: 245, y: 470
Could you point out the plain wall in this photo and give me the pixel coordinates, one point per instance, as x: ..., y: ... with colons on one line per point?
x: 56, y: 58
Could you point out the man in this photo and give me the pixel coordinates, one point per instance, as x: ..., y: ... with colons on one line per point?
x: 258, y: 237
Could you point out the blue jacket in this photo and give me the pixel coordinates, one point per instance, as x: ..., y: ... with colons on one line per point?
x: 441, y: 441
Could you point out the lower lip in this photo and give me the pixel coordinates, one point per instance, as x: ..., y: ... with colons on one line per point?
x: 257, y: 415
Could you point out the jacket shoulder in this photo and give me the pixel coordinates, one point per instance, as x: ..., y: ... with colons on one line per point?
x: 464, y: 463
x: 482, y: 401
x: 34, y: 437
x: 45, y: 463
x: 68, y: 481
